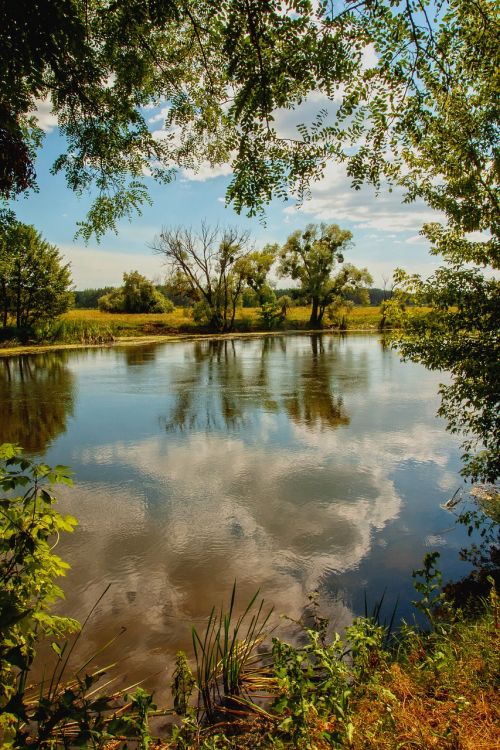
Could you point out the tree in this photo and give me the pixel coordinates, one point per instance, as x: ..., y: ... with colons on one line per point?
x: 337, y: 297
x: 212, y: 264
x: 34, y: 284
x: 460, y: 335
x: 309, y: 257
x: 137, y: 295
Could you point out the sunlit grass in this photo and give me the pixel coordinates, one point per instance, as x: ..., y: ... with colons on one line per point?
x: 180, y: 320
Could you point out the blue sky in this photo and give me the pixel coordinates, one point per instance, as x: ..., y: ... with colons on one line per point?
x: 385, y: 231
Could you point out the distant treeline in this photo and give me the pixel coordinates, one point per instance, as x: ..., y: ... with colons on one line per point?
x: 87, y: 299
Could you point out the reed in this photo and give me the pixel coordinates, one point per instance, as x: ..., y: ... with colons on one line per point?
x: 76, y: 332
x: 226, y: 653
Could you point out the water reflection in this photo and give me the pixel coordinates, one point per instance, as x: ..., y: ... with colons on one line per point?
x: 36, y: 399
x: 288, y: 463
x: 136, y: 355
x: 221, y: 385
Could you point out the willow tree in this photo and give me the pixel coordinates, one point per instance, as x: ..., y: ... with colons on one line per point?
x: 210, y: 265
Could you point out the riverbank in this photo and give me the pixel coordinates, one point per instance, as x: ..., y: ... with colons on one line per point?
x: 92, y: 328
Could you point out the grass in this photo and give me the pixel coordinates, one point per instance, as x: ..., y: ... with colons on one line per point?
x: 426, y: 690
x: 180, y: 320
x: 94, y: 328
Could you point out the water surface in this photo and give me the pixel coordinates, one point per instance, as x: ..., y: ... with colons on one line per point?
x: 288, y: 463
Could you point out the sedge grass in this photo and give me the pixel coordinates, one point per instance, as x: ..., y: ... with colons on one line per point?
x: 226, y: 651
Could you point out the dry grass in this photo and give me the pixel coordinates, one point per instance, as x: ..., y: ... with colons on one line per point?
x: 446, y: 699
x: 180, y: 320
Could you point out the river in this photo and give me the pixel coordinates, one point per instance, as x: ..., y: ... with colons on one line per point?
x: 289, y: 464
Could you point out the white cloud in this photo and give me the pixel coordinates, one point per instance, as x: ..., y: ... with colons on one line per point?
x: 206, y: 171
x: 416, y: 239
x: 47, y: 120
x: 333, y: 199
x: 99, y: 267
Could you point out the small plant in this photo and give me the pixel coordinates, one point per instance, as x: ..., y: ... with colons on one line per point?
x: 28, y: 569
x: 314, y: 690
x: 272, y: 314
x: 182, y: 684
x: 338, y: 312
x: 430, y: 588
x: 75, y: 332
x: 226, y: 651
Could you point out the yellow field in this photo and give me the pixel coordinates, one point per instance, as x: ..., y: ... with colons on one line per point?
x: 180, y: 320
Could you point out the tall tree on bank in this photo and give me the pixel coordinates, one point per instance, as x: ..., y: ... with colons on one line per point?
x: 209, y: 264
x: 310, y: 257
x: 35, y: 284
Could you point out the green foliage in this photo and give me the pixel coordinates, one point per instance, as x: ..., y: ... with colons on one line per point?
x: 479, y: 513
x: 182, y: 684
x: 212, y: 266
x: 28, y: 569
x: 272, y: 314
x: 137, y: 295
x: 338, y: 311
x: 75, y: 332
x: 113, y: 301
x: 425, y: 111
x: 429, y: 584
x: 309, y: 257
x: 87, y: 299
x: 313, y: 683
x: 34, y: 283
x: 460, y: 335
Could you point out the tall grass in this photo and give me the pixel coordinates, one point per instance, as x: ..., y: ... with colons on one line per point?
x: 226, y: 652
x: 76, y: 332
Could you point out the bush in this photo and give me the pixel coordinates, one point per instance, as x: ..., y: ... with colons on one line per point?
x: 137, y: 295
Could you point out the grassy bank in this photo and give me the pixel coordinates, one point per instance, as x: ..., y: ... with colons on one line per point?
x: 95, y: 328
x: 181, y: 321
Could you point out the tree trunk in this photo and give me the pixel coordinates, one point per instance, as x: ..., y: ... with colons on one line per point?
x: 313, y: 320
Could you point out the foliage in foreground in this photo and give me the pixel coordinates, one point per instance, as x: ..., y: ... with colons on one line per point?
x: 420, y: 688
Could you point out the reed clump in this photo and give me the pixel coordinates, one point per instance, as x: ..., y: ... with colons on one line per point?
x: 76, y: 332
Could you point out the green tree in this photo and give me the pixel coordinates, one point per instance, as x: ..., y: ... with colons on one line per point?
x: 212, y: 265
x: 34, y: 282
x: 28, y: 569
x: 137, y: 295
x: 309, y: 257
x: 342, y: 287
x: 461, y: 335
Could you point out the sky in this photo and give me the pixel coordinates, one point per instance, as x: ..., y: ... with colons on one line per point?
x: 385, y: 230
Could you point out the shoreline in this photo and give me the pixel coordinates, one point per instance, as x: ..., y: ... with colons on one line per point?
x: 13, y: 351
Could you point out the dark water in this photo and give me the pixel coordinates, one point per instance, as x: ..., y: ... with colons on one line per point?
x: 289, y: 464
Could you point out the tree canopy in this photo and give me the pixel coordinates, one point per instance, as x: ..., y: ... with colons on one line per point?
x: 137, y: 295
x: 35, y: 284
x: 211, y: 266
x: 221, y: 71
x: 310, y: 257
